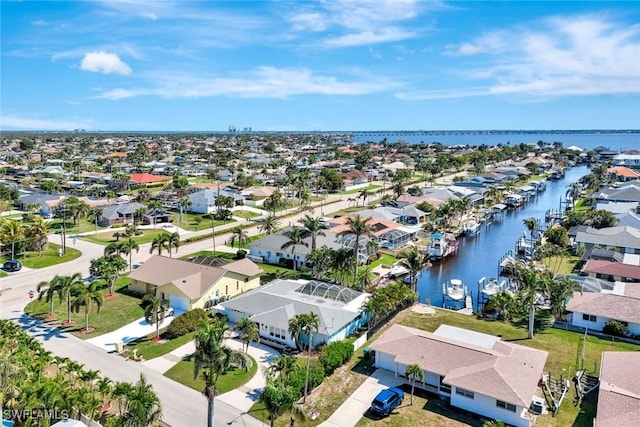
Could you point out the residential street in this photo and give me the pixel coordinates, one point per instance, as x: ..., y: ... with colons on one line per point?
x: 182, y: 406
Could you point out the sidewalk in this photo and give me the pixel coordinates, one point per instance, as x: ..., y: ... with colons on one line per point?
x: 243, y: 397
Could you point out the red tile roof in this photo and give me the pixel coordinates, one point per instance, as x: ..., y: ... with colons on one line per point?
x: 146, y: 178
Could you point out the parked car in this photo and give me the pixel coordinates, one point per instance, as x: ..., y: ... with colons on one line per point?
x: 168, y: 311
x: 12, y: 265
x: 386, y: 401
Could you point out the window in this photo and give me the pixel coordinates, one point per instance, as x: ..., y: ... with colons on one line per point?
x: 445, y: 388
x: 589, y: 318
x: 505, y: 405
x: 465, y: 393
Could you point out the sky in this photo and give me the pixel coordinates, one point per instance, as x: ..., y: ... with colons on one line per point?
x: 331, y: 65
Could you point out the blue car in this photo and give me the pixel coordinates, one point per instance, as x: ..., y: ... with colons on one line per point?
x: 386, y: 401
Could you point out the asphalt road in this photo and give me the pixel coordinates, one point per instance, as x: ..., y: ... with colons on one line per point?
x: 181, y: 406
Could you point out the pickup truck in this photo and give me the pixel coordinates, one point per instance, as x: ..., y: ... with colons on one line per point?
x: 386, y: 401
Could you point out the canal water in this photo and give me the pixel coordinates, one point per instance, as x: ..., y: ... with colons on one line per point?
x: 479, y: 256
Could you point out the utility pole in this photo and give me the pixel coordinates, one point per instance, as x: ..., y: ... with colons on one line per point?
x: 213, y: 229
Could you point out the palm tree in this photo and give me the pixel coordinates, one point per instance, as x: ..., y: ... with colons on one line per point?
x: 358, y: 226
x: 66, y: 285
x: 142, y: 405
x: 212, y: 359
x: 415, y: 373
x: 184, y: 205
x: 531, y: 282
x: 277, y: 398
x: 94, y: 214
x: 173, y: 241
x: 238, y: 235
x: 415, y: 260
x: 38, y: 233
x: 314, y: 226
x: 250, y: 332
x: 531, y: 224
x: 311, y: 325
x: 11, y: 231
x: 159, y: 242
x: 269, y: 224
x: 108, y: 268
x: 86, y: 296
x: 48, y: 290
x: 295, y: 237
x: 127, y: 247
x: 154, y: 309
x: 155, y: 206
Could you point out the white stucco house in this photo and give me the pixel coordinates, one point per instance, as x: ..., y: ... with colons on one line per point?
x: 592, y: 310
x: 476, y: 372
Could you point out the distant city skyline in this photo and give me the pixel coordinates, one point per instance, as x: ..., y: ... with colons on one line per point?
x: 142, y: 65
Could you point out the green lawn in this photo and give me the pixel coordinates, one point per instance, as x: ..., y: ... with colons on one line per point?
x: 114, y: 313
x: 245, y: 214
x: 182, y: 372
x: 561, y: 345
x: 107, y: 237
x: 48, y: 257
x: 82, y: 226
x: 192, y: 224
x: 150, y: 349
x: 561, y: 265
x: 358, y: 190
x: 385, y: 259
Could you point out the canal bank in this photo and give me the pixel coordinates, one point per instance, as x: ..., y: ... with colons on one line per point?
x: 479, y: 256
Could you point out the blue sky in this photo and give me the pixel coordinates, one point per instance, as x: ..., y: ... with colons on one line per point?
x: 319, y: 65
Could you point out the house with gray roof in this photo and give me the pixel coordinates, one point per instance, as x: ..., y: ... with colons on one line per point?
x: 269, y: 248
x: 123, y: 213
x: 619, y: 391
x: 477, y: 372
x: 271, y: 306
x: 204, y: 201
x: 626, y: 193
x: 625, y: 238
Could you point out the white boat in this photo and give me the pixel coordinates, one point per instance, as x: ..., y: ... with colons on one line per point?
x: 455, y: 289
x: 490, y: 286
x: 441, y: 246
x: 471, y: 228
x: 398, y: 270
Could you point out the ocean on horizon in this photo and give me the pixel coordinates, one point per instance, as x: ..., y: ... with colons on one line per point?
x: 616, y: 141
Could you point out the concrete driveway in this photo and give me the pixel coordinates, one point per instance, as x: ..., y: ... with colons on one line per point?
x: 356, y: 405
x: 128, y: 333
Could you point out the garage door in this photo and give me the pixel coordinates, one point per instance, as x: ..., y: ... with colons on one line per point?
x: 179, y: 304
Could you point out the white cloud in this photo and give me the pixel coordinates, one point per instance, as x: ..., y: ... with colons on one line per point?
x: 16, y: 122
x: 389, y: 34
x: 263, y: 82
x: 560, y: 56
x: 308, y: 21
x: 104, y: 62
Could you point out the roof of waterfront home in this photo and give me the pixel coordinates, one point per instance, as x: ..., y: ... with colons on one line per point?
x: 622, y: 237
x: 619, y: 392
x: 625, y: 307
x: 474, y: 361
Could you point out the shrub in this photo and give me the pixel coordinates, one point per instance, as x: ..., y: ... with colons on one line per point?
x: 616, y: 328
x: 297, y: 376
x: 185, y: 323
x: 334, y: 355
x: 241, y: 254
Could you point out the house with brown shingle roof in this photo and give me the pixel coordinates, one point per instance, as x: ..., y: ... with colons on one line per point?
x: 619, y: 392
x: 188, y: 285
x: 477, y: 372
